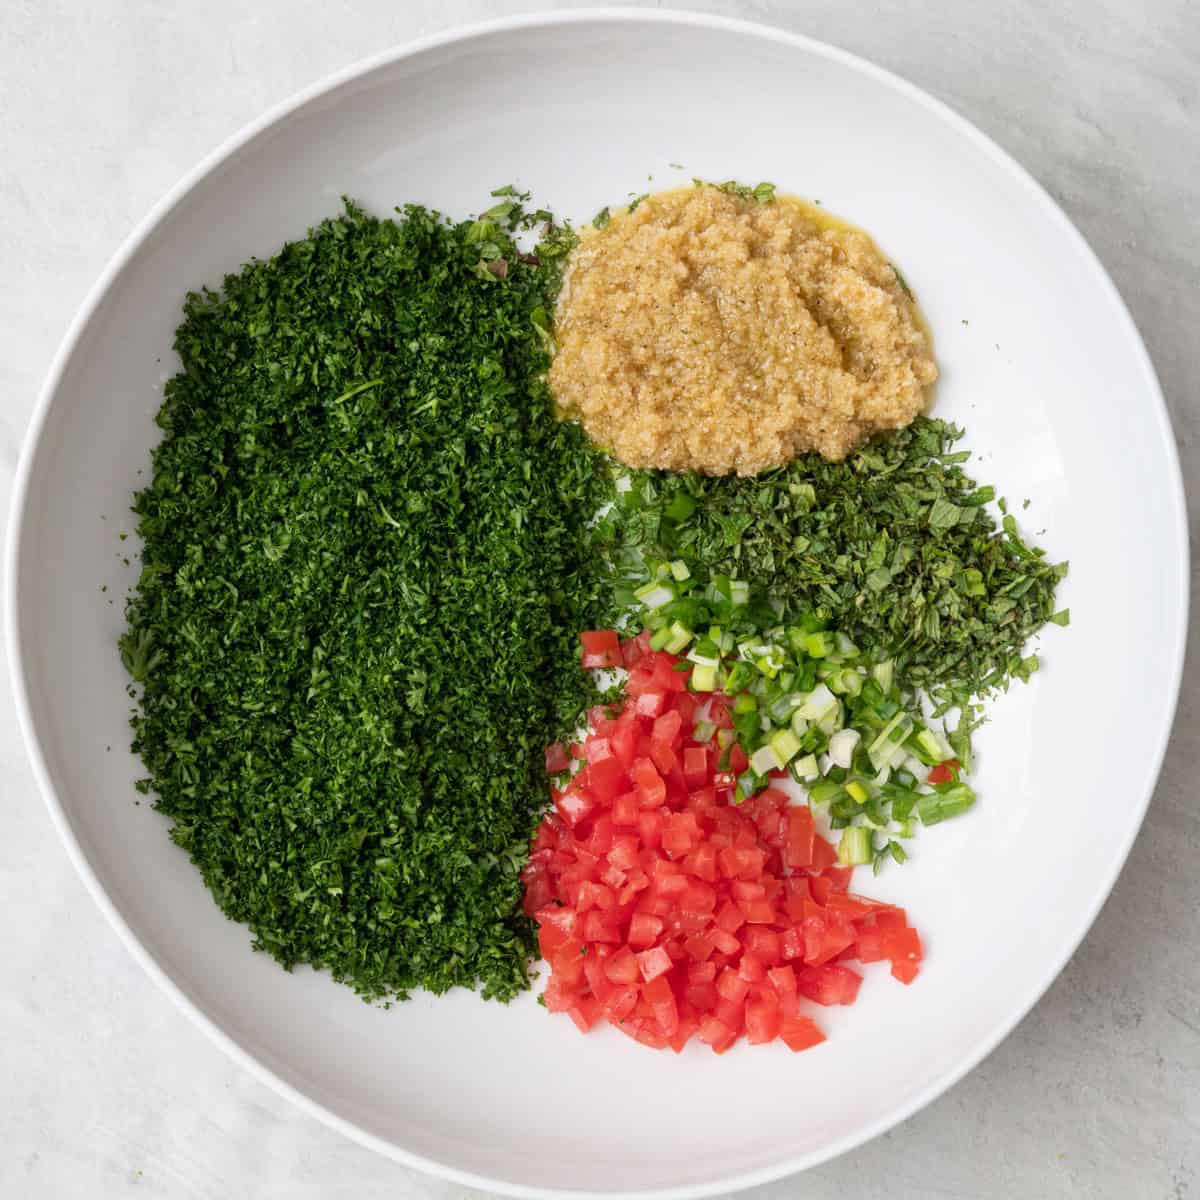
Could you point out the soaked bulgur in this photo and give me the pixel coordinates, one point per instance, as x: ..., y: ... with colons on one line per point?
x: 711, y: 332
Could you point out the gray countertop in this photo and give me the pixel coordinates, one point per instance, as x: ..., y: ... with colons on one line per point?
x: 108, y: 1090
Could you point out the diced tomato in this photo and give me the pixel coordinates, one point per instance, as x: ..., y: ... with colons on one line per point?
x: 726, y: 943
x: 680, y: 834
x: 903, y: 947
x: 621, y: 966
x: 783, y: 980
x: 823, y: 854
x: 751, y: 969
x: 763, y: 1019
x: 799, y: 839
x: 662, y: 1000
x: 566, y: 963
x: 663, y: 757
x: 601, y: 926
x: 574, y: 805
x: 800, y: 1033
x: 762, y: 943
x: 605, y: 779
x: 695, y: 765
x: 557, y: 758
x: 738, y: 863
x: 601, y: 648
x: 560, y: 996
x: 667, y: 729
x: 653, y: 963
x: 597, y: 749
x: 699, y: 899
x: 702, y: 862
x: 586, y: 1012
x: 945, y: 772
x: 826, y: 935
x: 626, y: 808
x: 600, y: 721
x: 634, y: 649
x: 621, y: 1003
x: 623, y: 739
x: 650, y: 827
x: 674, y: 914
x: 650, y: 788
x: 830, y: 984
x: 716, y: 1034
x: 644, y: 929
x: 838, y: 877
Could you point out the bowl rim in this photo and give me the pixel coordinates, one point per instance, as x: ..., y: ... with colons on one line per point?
x: 14, y: 550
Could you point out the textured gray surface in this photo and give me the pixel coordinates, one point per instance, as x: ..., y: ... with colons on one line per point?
x: 107, y: 1089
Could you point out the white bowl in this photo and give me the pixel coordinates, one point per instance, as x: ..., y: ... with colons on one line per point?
x: 1041, y: 362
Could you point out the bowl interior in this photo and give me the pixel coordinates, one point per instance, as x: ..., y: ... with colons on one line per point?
x: 1039, y: 362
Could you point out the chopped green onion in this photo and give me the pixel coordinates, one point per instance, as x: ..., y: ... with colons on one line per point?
x: 747, y: 785
x: 842, y: 744
x: 680, y: 636
x: 934, y: 745
x: 744, y: 702
x: 654, y: 595
x: 825, y: 792
x: 845, y: 647
x: 660, y: 638
x: 679, y: 569
x: 817, y: 703
x: 855, y: 847
x: 850, y: 681
x: 763, y: 761
x: 888, y: 746
x: 832, y: 721
x: 819, y: 645
x: 704, y: 679
x: 883, y: 674
x: 739, y: 592
x: 942, y: 805
x: 720, y: 638
x: 703, y: 731
x: 785, y: 745
x: 805, y: 768
x: 856, y: 791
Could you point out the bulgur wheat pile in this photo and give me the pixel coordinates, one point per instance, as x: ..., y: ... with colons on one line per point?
x: 709, y: 331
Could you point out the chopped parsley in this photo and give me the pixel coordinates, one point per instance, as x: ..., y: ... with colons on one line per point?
x: 365, y: 563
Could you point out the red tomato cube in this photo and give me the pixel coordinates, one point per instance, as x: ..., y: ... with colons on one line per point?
x: 601, y: 648
x: 653, y: 963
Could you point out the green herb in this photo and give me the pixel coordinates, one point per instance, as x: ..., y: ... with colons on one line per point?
x: 764, y: 193
x: 893, y: 547
x: 365, y: 563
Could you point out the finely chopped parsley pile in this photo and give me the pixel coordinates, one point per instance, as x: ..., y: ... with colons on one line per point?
x: 369, y: 548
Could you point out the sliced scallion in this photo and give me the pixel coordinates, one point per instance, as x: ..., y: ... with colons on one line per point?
x: 855, y: 847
